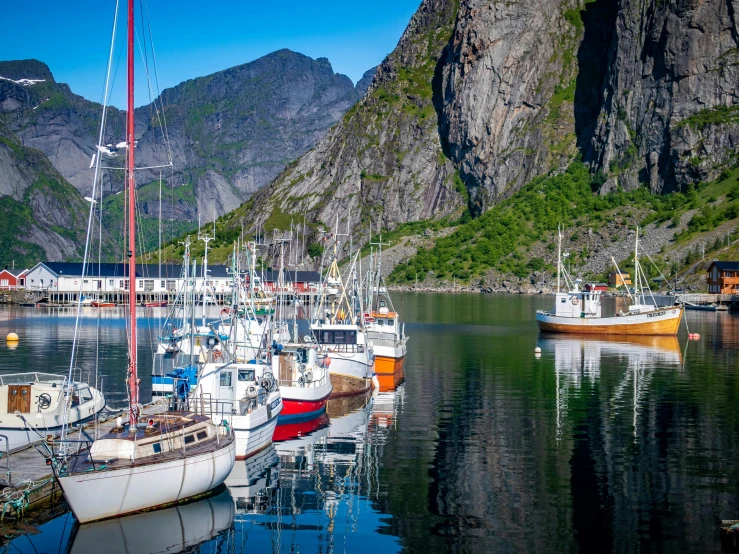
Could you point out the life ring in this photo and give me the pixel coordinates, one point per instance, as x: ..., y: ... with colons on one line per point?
x: 225, y: 311
x: 575, y: 301
x: 217, y: 355
x: 75, y: 282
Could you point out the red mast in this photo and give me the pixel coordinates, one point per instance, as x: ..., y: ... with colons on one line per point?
x: 130, y: 131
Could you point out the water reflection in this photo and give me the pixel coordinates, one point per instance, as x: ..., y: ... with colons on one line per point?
x: 171, y: 530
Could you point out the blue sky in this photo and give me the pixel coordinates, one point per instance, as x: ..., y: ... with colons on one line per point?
x: 192, y: 39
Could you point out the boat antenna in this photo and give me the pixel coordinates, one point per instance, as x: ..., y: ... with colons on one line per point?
x: 133, y: 413
x: 559, y: 254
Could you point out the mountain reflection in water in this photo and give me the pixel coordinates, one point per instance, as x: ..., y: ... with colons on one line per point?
x: 599, y: 445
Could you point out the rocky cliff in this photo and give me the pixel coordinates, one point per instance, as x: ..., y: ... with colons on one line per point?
x: 479, y: 97
x: 230, y: 133
x: 42, y: 216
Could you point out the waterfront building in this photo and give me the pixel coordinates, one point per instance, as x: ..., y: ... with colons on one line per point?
x: 723, y: 278
x: 11, y: 279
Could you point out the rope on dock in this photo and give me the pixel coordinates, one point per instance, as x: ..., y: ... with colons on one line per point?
x: 17, y: 499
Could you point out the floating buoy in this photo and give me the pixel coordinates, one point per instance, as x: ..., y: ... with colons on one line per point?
x: 12, y: 337
x: 537, y: 350
x: 537, y: 355
x: 693, y: 336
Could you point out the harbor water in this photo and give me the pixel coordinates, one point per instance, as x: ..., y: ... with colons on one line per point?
x: 596, y: 445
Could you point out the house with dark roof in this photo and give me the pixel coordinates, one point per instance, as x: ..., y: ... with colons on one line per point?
x: 723, y: 278
x: 11, y: 279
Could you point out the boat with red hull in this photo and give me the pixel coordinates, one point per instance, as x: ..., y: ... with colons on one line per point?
x: 303, y: 376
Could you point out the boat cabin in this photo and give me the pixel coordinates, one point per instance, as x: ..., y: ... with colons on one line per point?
x: 578, y: 303
x: 239, y: 388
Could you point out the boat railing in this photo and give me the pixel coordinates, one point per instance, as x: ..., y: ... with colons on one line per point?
x: 31, y: 378
x: 218, y: 410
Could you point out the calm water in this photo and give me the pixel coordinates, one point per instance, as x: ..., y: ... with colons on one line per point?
x: 597, y: 446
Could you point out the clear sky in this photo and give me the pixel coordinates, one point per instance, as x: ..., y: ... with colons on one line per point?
x: 196, y: 38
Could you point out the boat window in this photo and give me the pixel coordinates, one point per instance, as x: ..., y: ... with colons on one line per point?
x: 226, y: 379
x: 157, y: 446
x: 202, y: 435
x: 244, y: 375
x: 327, y: 337
x: 381, y: 322
x: 189, y: 439
x: 564, y: 300
x: 85, y: 395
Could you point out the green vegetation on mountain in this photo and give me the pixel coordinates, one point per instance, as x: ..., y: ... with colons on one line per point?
x: 501, y: 238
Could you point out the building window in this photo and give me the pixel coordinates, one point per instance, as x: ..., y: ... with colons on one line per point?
x: 149, y: 285
x: 171, y: 285
x: 3, y: 282
x: 162, y: 284
x: 111, y: 282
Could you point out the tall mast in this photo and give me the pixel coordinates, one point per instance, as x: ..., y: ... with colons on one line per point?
x: 130, y: 131
x: 559, y: 254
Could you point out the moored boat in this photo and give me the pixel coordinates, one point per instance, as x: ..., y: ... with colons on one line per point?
x: 303, y: 377
x: 171, y: 458
x: 33, y: 406
x: 580, y: 311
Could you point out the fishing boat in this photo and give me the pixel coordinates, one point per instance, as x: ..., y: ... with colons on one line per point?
x: 173, y: 456
x: 101, y: 304
x: 337, y: 328
x: 303, y: 376
x: 578, y: 310
x: 36, y: 405
x: 384, y: 330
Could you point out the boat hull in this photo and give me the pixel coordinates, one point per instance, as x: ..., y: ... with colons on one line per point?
x: 389, y: 372
x: 665, y: 321
x: 350, y: 374
x: 255, y: 432
x: 98, y: 495
x: 304, y: 402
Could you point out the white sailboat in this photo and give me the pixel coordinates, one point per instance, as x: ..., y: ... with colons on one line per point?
x: 173, y: 456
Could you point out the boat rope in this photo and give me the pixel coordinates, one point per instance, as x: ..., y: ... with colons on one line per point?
x: 16, y: 499
x: 91, y: 215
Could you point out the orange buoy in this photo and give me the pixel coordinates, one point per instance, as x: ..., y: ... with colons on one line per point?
x: 12, y: 337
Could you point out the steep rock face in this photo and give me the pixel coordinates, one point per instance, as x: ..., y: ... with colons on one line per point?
x: 230, y: 133
x: 42, y: 216
x: 502, y: 66
x: 385, y: 159
x: 670, y: 104
x: 364, y: 83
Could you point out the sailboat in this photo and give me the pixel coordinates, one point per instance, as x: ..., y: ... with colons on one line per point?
x: 172, y: 456
x: 579, y: 310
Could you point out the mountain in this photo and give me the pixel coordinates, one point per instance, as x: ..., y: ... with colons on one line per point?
x: 42, y: 216
x: 479, y: 100
x: 230, y: 132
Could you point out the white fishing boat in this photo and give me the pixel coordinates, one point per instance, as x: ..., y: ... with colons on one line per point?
x: 33, y: 406
x: 172, y: 457
x: 578, y: 310
x: 337, y: 328
x: 253, y: 397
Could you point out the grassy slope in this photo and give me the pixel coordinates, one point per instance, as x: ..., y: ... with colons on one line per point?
x: 503, y: 237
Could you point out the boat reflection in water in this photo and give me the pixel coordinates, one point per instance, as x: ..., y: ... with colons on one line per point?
x: 580, y: 358
x: 178, y: 529
x: 252, y: 482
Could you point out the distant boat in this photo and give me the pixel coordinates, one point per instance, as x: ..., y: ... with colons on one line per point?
x: 579, y: 310
x: 98, y: 304
x: 159, y: 304
x: 706, y: 307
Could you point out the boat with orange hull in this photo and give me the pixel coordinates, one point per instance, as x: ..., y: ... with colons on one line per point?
x: 103, y: 305
x: 162, y: 304
x: 579, y: 310
x: 389, y: 372
x: 662, y: 321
